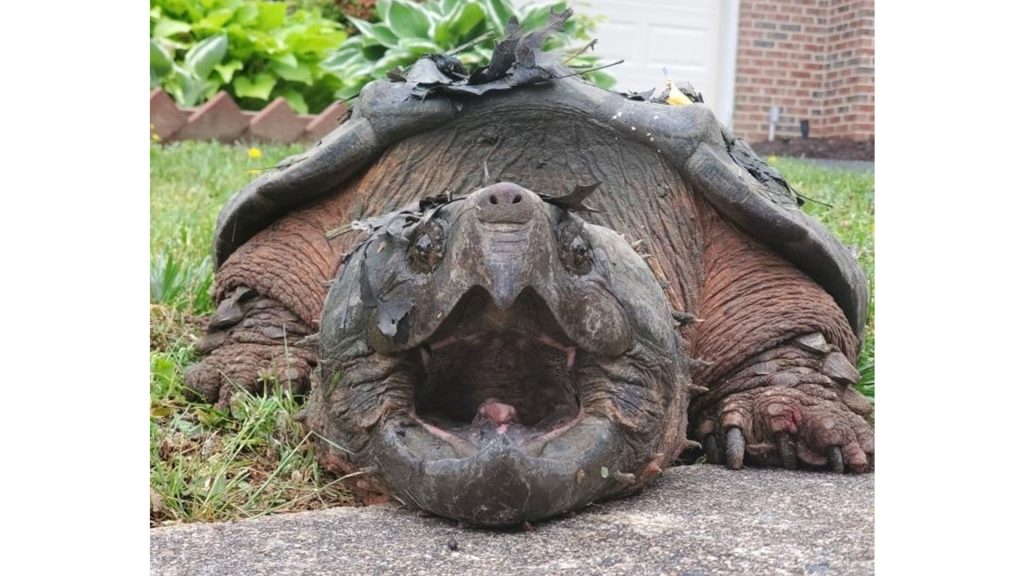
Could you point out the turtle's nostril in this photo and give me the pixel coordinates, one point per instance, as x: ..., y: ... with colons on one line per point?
x: 506, y: 202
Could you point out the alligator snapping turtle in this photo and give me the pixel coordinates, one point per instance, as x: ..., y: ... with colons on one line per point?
x: 503, y: 340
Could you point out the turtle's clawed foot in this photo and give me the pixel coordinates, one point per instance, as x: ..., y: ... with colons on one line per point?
x: 251, y: 342
x: 809, y: 426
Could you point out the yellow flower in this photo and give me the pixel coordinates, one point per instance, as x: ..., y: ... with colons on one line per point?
x: 255, y: 153
x: 772, y: 158
x: 156, y: 137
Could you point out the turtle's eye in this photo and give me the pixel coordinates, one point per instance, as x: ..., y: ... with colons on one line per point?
x: 575, y: 250
x: 427, y: 247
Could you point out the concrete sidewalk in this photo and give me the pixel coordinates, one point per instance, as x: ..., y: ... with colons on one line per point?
x: 696, y: 520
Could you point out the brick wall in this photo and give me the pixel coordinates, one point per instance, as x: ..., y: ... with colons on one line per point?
x: 814, y: 59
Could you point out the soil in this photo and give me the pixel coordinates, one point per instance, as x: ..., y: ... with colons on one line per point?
x: 828, y: 148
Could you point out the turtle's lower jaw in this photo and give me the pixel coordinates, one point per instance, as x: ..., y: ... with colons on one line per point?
x: 501, y: 483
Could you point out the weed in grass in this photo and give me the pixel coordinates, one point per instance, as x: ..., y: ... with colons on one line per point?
x: 180, y: 285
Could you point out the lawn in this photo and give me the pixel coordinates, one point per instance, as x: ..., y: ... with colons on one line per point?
x: 254, y: 459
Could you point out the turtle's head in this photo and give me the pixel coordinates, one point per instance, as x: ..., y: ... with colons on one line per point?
x: 496, y: 359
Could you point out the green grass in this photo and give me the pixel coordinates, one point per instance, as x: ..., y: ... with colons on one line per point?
x: 851, y: 194
x: 253, y: 458
x: 208, y: 464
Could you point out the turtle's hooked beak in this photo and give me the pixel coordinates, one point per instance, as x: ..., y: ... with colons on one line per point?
x: 506, y: 215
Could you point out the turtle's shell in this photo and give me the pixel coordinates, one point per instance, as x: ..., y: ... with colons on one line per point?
x: 707, y: 156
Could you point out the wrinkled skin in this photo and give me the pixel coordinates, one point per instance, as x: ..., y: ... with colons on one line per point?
x: 532, y: 366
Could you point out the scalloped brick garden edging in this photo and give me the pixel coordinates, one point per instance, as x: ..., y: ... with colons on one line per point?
x: 221, y: 119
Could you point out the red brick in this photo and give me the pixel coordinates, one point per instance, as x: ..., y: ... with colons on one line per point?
x: 165, y: 118
x: 277, y: 123
x: 218, y: 119
x: 326, y: 121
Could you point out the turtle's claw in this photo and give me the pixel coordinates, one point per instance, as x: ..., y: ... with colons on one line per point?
x: 835, y: 459
x: 787, y: 450
x: 714, y: 455
x: 734, y: 449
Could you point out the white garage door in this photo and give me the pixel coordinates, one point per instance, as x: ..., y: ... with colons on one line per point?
x: 694, y: 39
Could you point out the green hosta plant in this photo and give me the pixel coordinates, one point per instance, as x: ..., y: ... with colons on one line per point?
x: 407, y: 30
x: 254, y: 50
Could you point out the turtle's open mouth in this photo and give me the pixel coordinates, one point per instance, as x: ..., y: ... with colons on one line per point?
x: 491, y: 371
x: 501, y: 362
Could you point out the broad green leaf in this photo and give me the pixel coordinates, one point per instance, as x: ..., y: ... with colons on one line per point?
x: 160, y: 61
x: 382, y: 9
x: 341, y: 58
x: 214, y: 21
x: 286, y: 59
x: 246, y: 14
x: 186, y: 87
x: 202, y: 57
x: 297, y: 73
x: 168, y: 27
x: 314, y: 40
x: 408, y: 20
x: 264, y: 42
x: 498, y: 12
x: 378, y: 32
x: 240, y: 46
x: 394, y: 58
x: 271, y: 15
x: 348, y: 92
x: 295, y: 100
x: 416, y: 47
x: 432, y: 8
x: 385, y: 35
x: 450, y: 31
x: 227, y: 70
x: 259, y: 86
x: 448, y: 6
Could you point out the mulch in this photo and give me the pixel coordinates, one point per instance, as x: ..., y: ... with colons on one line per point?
x: 827, y: 148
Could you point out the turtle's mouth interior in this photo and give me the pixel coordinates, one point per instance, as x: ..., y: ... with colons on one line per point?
x: 511, y: 371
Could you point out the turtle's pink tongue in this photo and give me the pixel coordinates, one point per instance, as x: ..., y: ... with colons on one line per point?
x: 498, y: 413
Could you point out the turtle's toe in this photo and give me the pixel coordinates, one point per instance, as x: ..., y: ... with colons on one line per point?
x: 248, y: 368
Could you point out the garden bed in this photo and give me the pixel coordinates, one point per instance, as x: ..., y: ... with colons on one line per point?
x: 823, y: 148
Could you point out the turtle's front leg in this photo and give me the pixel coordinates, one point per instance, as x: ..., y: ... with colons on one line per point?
x: 270, y: 293
x: 777, y: 356
x: 252, y: 341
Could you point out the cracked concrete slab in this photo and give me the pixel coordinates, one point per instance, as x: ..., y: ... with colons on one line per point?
x: 696, y: 520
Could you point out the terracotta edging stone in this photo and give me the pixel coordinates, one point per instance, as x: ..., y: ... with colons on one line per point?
x: 165, y: 118
x: 276, y: 123
x: 221, y: 119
